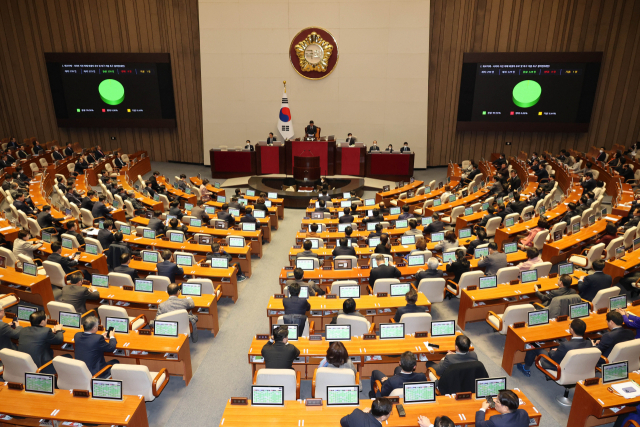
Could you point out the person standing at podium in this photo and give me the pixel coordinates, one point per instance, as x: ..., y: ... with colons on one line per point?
x: 405, y: 148
x: 374, y: 148
x: 248, y: 146
x: 351, y: 140
x: 310, y: 131
x: 271, y: 139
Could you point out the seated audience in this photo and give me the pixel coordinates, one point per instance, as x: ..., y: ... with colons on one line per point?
x: 379, y: 413
x: 294, y: 304
x: 462, y: 354
x: 588, y: 286
x: 277, y: 352
x: 533, y: 257
x: 90, y: 347
x: 411, y: 297
x: 494, y: 261
x: 404, y: 373
x: 506, y: 403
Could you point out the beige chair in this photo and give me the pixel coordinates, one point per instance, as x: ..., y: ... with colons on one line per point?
x: 135, y: 323
x: 507, y: 274
x: 43, y: 162
x: 382, y: 285
x: 389, y: 259
x: 137, y: 380
x: 160, y: 283
x: 560, y: 226
x: 189, y: 254
x: 543, y: 268
x: 75, y: 211
x: 610, y: 251
x: 601, y: 300
x: 515, y: 217
x: 588, y: 256
x: 16, y: 364
x: 8, y: 300
x: 55, y: 273
x: 87, y: 217
x: 93, y: 241
x: 335, y: 285
x: 227, y: 239
x: 354, y: 260
x: 207, y: 287
x: 629, y: 235
x: 416, y: 322
x: 627, y: 350
x: 73, y: 239
x: 288, y: 378
x: 492, y: 225
x: 165, y: 201
x: 455, y: 213
x: 433, y: 289
x: 180, y: 316
x: 576, y: 365
x: 540, y: 239
x: 468, y: 278
x: 55, y: 307
x: 73, y: 374
x: 309, y: 327
x: 10, y: 258
x: 324, y: 377
x: 359, y: 325
x: 512, y: 314
x: 23, y: 220
x: 128, y: 208
x: 584, y: 218
x: 120, y: 279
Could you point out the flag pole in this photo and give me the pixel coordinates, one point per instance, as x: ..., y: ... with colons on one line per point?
x: 284, y: 82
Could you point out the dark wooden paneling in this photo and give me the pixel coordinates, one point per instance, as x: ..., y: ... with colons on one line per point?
x: 459, y: 26
x: 32, y: 27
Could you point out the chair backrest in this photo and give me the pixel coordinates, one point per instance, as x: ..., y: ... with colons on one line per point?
x: 354, y: 260
x: 87, y: 217
x: 540, y: 238
x: 120, y: 279
x: 388, y: 257
x: 305, y: 330
x: 455, y: 213
x: 335, y: 285
x: 359, y: 325
x: 72, y: 374
x: 578, y: 365
x: 601, y: 300
x: 469, y: 278
x: 559, y: 306
x: 560, y: 226
x: 384, y: 285
x: 11, y: 259
x: 514, y: 215
x: 543, y: 268
x: 128, y: 208
x: 160, y: 283
x: 492, y: 226
x: 136, y: 380
x: 433, y: 289
x: 93, y: 241
x: 22, y: 218
x: 105, y: 311
x: 320, y: 241
x: 331, y: 377
x: 594, y: 254
x: 227, y: 239
x: 316, y: 262
x: 629, y: 235
x: 584, y: 218
x: 189, y: 254
x: 164, y: 200
x: 16, y: 364
x: 627, y: 350
x: 416, y: 322
x: 180, y: 316
x: 507, y: 274
x: 280, y: 377
x: 207, y: 285
x: 611, y: 247
x: 55, y: 307
x: 515, y: 313
x: 427, y: 254
x: 43, y: 162
x: 526, y: 210
x: 75, y: 211
x: 55, y: 273
x: 461, y: 377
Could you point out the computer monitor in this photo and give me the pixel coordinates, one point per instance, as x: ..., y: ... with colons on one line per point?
x: 251, y: 193
x: 315, y: 243
x: 156, y: 198
x: 510, y: 248
x: 386, y: 188
x: 317, y: 215
x: 343, y: 395
x: 613, y: 372
x: 445, y: 328
x: 452, y: 198
x: 565, y: 269
x: 148, y: 256
x: 529, y: 276
x: 204, y: 239
x: 148, y: 234
x: 509, y: 222
x: 305, y: 264
x: 272, y: 195
x: 426, y: 221
x: 415, y: 260
x: 488, y: 282
x: 221, y: 199
x: 468, y: 211
x: 342, y: 227
x: 259, y: 213
x: 267, y: 395
x: 369, y: 202
x: 338, y: 332
x: 618, y: 302
x: 24, y: 312
x: 119, y: 324
x: 408, y: 240
x: 449, y: 256
x: 142, y: 285
x: 419, y: 392
x: 395, y: 210
x: 371, y: 226
x: 437, y: 237
x: 399, y: 289
x: 349, y: 291
x: 346, y: 195
x: 293, y: 331
x: 90, y: 248
x: 67, y: 243
x: 619, y: 252
x: 106, y: 389
x: 191, y: 289
x: 100, y: 280
x: 538, y: 318
x: 195, y: 222
x: 427, y: 190
x: 402, y: 223
x: 342, y: 264
x: 636, y: 244
x: 248, y: 226
x: 219, y: 262
x: 234, y: 212
x: 499, y: 200
x: 464, y: 233
x: 484, y: 206
x: 126, y: 230
x: 39, y: 383
x: 304, y: 292
x: 187, y: 190
x: 541, y: 210
x: 437, y: 202
x: 209, y: 210
x: 374, y: 241
x: 490, y: 387
x: 30, y: 269
x: 220, y: 225
x: 46, y: 236
x: 184, y: 260
x: 575, y: 228
x: 165, y: 328
x: 480, y: 252
x: 70, y: 320
x: 391, y: 331
x: 592, y: 219
x: 236, y: 242
x: 577, y: 311
x: 603, y: 212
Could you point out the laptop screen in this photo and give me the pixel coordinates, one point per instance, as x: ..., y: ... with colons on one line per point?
x: 251, y: 193
x: 38, y: 383
x: 419, y: 392
x: 67, y: 243
x: 126, y: 229
x: 259, y: 213
x: 272, y: 395
x: 342, y: 227
x: 234, y: 212
x: 427, y: 221
x: 186, y: 260
x: 221, y: 199
x: 150, y: 256
x: 510, y: 248
x: 443, y: 328
x: 394, y: 210
x: 529, y: 276
x: 46, y: 237
x: 142, y: 285
x: 415, y: 260
x: 30, y: 269
x: 488, y: 282
x: 480, y: 252
x: 538, y: 318
x: 165, y: 328
x: 338, y: 332
x: 402, y: 223
x: 209, y: 210
x: 371, y: 226
x: 24, y: 312
x: 374, y: 241
x: 408, y: 240
x: 618, y: 302
x: 490, y: 387
x: 347, y: 291
x: 293, y: 331
x: 272, y: 195
x: 391, y: 331
x: 305, y: 264
x: 468, y: 211
x: 509, y: 222
x: 248, y: 226
x: 236, y: 242
x: 106, y: 389
x: 579, y: 310
x: 448, y: 256
x: 91, y: 248
x: 464, y: 233
x: 148, y: 234
x: 437, y: 237
x: 399, y: 289
x: 612, y: 372
x: 565, y: 269
x: 70, y: 320
x: 119, y: 324
x: 100, y: 280
x: 219, y: 262
x: 191, y: 289
x: 195, y: 222
x: 369, y: 202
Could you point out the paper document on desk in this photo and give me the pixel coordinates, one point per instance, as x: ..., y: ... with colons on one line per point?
x: 92, y: 231
x: 627, y: 389
x: 6, y: 228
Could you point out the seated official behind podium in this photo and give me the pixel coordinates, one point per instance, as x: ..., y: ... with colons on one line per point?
x: 77, y: 295
x: 90, y: 347
x: 278, y: 353
x: 411, y: 297
x: 404, y: 373
x: 248, y: 146
x: 389, y: 149
x: 310, y: 130
x: 506, y: 403
x: 36, y: 340
x: 461, y: 355
x: 343, y: 248
x: 405, y: 148
x: 577, y: 341
x: 167, y: 267
x: 350, y: 140
x: 294, y: 304
x: 374, y: 148
x: 271, y: 139
x: 379, y: 412
x: 298, y: 275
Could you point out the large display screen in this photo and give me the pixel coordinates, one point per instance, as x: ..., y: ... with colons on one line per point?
x: 112, y: 89
x: 531, y: 92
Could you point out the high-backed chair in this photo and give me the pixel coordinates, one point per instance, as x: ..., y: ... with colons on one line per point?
x: 288, y: 378
x: 137, y: 380
x: 180, y: 316
x: 336, y: 285
x: 610, y: 251
x: 308, y: 326
x: 207, y: 286
x: 389, y: 258
x: 629, y: 235
x: 55, y: 273
x: 324, y: 377
x: 354, y: 260
x: 543, y: 268
x: 73, y: 374
x: 415, y: 322
x: 382, y: 285
x: 627, y: 350
x: 9, y: 300
x: 588, y: 256
x: 227, y: 239
x: 512, y: 314
x: 135, y: 323
x: 466, y: 279
x: 160, y: 283
x: 507, y: 274
x: 359, y: 325
x: 16, y: 364
x: 10, y: 258
x: 55, y: 307
x: 540, y: 239
x: 316, y: 261
x: 120, y: 279
x: 575, y: 366
x: 601, y: 300
x: 433, y: 289
x: 492, y: 225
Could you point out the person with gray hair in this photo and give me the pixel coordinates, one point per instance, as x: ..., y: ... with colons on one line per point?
x: 432, y: 271
x: 90, y: 347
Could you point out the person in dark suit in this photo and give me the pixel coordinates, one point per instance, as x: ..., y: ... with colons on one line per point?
x: 506, y: 403
x: 462, y: 354
x: 72, y: 228
x: 175, y: 225
x: 46, y: 220
x: 374, y: 148
x: 100, y: 209
x: 494, y: 262
x: 77, y: 295
x: 168, y: 268
x: 248, y: 217
x: 68, y: 264
x: 577, y: 341
x: 571, y: 212
x: 588, y: 183
x: 298, y: 275
x: 405, y: 213
x: 481, y: 240
x: 248, y: 146
x: 459, y: 266
x: 118, y: 162
x: 22, y: 153
x: 81, y: 165
x: 37, y: 148
x: 615, y: 335
x: 156, y: 224
x: 87, y: 203
x: 278, y: 353
x: 588, y: 286
x: 105, y: 235
x: 514, y: 182
x: 56, y: 155
x: 13, y: 144
x: 431, y: 272
x: 217, y: 252
x: 310, y: 131
x: 517, y: 205
x: 124, y: 268
x: 154, y: 180
x: 224, y: 215
x: 405, y: 148
x: 8, y: 332
x: 294, y: 304
x: 435, y: 226
x: 322, y: 207
x: 384, y: 247
x: 375, y: 217
x: 99, y: 154
x: 501, y: 160
x: 36, y: 340
x: 564, y: 283
x: 404, y: 373
x: 90, y: 347
x: 271, y: 139
x: 382, y: 271
x: 69, y: 150
x: 350, y: 139
x: 4, y: 162
x: 324, y: 196
x: 344, y: 248
x: 411, y: 297
x: 375, y: 417
x: 602, y: 156
x: 347, y: 218
x: 21, y: 205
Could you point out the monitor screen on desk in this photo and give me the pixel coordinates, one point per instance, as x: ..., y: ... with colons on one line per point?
x: 490, y: 387
x: 488, y: 282
x: 437, y: 202
x: 38, y: 383
x: 391, y: 331
x: 343, y: 264
x: 408, y: 240
x: 371, y: 226
x: 315, y: 243
x: 399, y: 289
x: 219, y: 262
x: 148, y: 256
x: 395, y: 210
x: 577, y: 311
x: 343, y: 395
x: 509, y: 222
x: 452, y: 198
x: 191, y: 289
x: 636, y: 244
x: 338, y: 332
x: 91, y: 249
x: 612, y: 372
x: 480, y: 252
x: 184, y: 260
x: 510, y: 248
x: 401, y: 223
x: 272, y: 195
x: 251, y: 193
x: 592, y: 219
x: 386, y: 188
x: 271, y: 395
x: 204, y: 239
x: 464, y: 233
x: 259, y: 213
x: 575, y: 228
x: 126, y: 230
x: 618, y: 302
x: 216, y: 185
x: 305, y: 264
x: 148, y: 233
x: 619, y: 252
x: 209, y: 210
x: 165, y: 328
x: 24, y: 312
x: 293, y: 331
x: 565, y: 269
x: 46, y: 236
x: 426, y: 221
x: 195, y: 222
x: 484, y: 206
x: 30, y: 269
x: 70, y: 320
x: 342, y: 227
x: 374, y: 262
x: 248, y: 226
x: 119, y: 324
x: 374, y: 241
x: 529, y: 276
x: 141, y: 285
x: 234, y: 212
x: 449, y: 256
x: 413, y: 260
x: 444, y: 328
x: 67, y: 243
x: 468, y: 211
x: 346, y: 195
x: 100, y: 280
x: 538, y: 318
x: 221, y: 199
x: 437, y: 237
x: 419, y: 392
x: 349, y: 291
x: 317, y: 215
x: 236, y: 242
x: 369, y: 202
x: 106, y: 389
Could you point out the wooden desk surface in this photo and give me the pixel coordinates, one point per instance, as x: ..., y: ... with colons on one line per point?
x: 116, y: 293
x: 188, y: 247
x: 131, y: 411
x: 619, y: 267
x: 464, y: 201
x: 419, y: 200
x: 396, y: 191
x: 156, y: 206
x: 365, y: 302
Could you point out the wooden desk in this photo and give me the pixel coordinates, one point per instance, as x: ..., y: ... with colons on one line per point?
x: 98, y: 262
x: 294, y: 413
x: 560, y: 251
x: 617, y: 268
x: 131, y: 411
x: 592, y: 404
x: 140, y: 167
x: 393, y: 194
x: 474, y: 305
x: 418, y: 201
x: 149, y: 202
x: 376, y: 310
x: 188, y: 198
x: 116, y: 214
x: 36, y: 290
x: 273, y: 210
x: 219, y: 276
x: 476, y: 197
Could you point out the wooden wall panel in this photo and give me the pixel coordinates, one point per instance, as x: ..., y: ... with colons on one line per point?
x: 459, y: 26
x: 32, y: 27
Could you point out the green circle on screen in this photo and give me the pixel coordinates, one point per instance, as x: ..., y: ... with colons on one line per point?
x: 111, y: 91
x: 526, y: 94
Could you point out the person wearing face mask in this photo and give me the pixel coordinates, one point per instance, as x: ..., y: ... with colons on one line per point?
x: 602, y: 156
x: 374, y: 148
x: 389, y: 149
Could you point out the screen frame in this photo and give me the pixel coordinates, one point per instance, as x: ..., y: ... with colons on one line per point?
x: 253, y: 387
x: 392, y: 338
x: 404, y: 392
x: 579, y: 317
x: 443, y: 321
x: 356, y: 386
x: 93, y: 380
x: 485, y: 379
x: 51, y: 376
x: 79, y: 315
x: 539, y: 324
x: 166, y: 321
x: 115, y: 317
x: 618, y: 379
x: 337, y: 339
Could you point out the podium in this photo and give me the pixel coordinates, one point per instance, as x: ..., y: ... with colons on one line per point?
x: 306, y: 168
